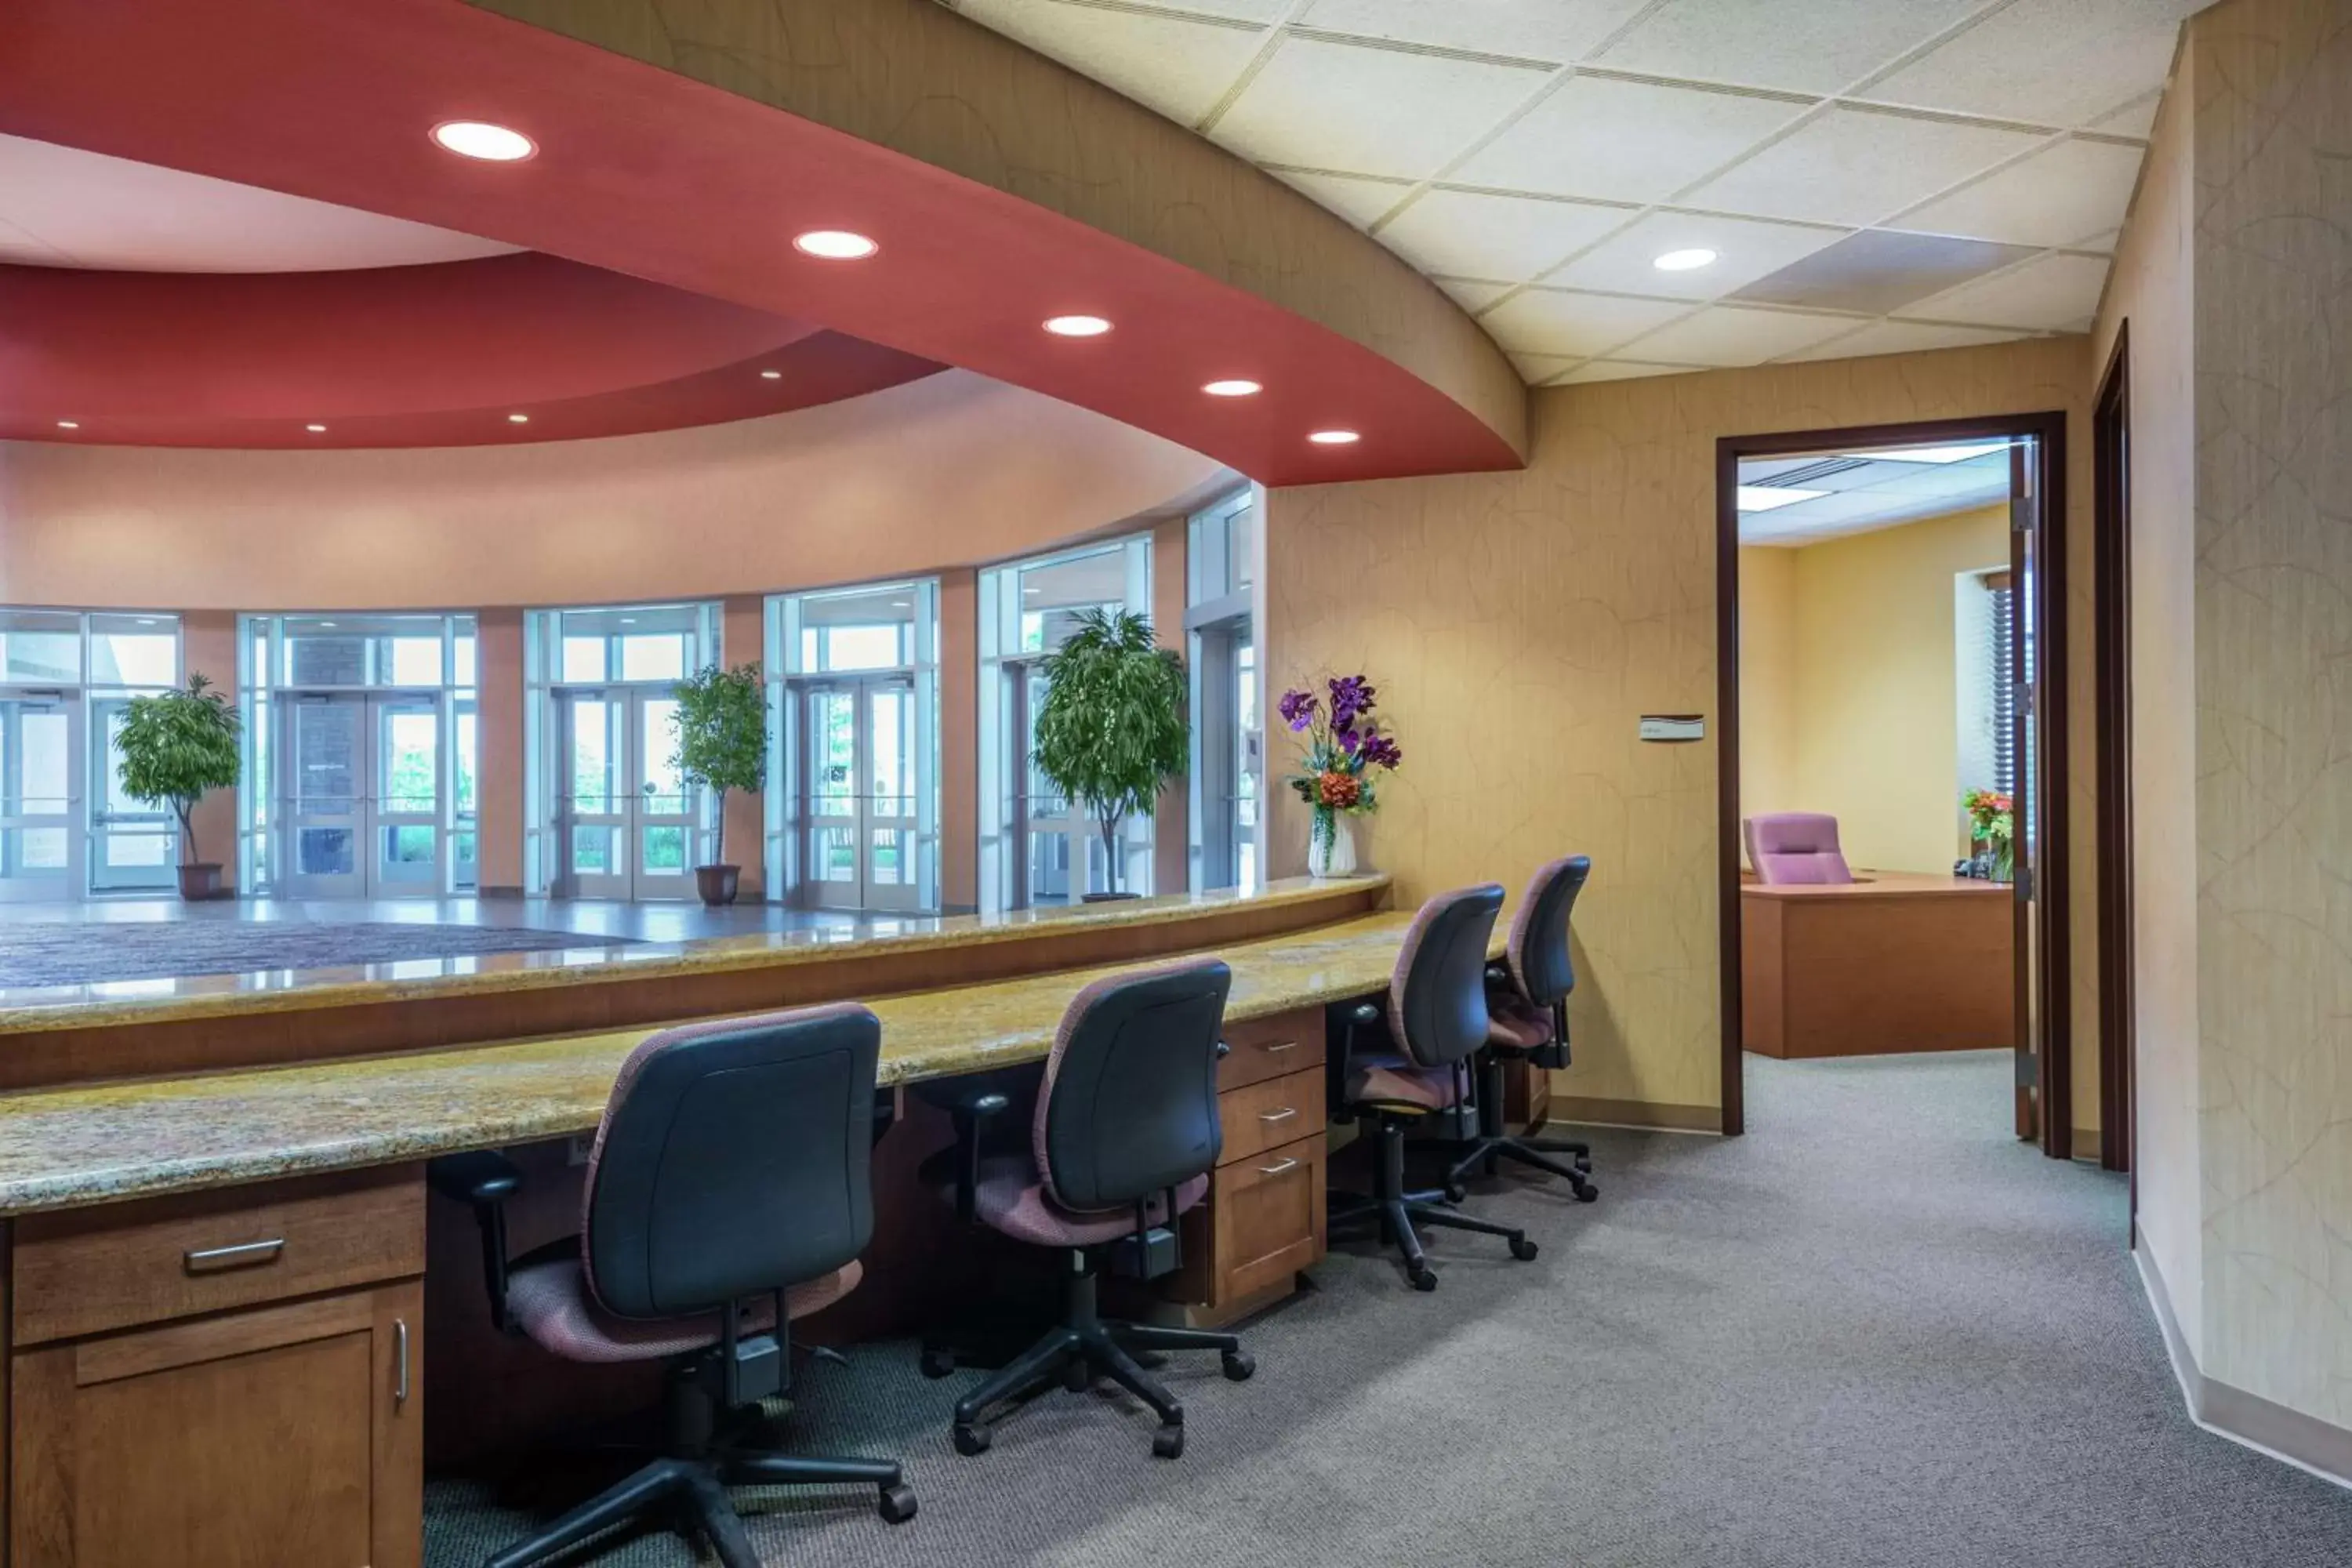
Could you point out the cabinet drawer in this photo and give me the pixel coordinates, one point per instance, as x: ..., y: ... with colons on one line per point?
x: 1259, y: 1116
x: 1271, y: 1047
x: 91, y: 1270
x: 1262, y: 1223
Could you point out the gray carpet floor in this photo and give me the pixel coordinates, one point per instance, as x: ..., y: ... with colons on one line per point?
x: 82, y: 953
x: 1876, y: 1330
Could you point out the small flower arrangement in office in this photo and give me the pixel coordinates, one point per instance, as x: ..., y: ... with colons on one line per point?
x: 1992, y: 824
x: 1342, y: 744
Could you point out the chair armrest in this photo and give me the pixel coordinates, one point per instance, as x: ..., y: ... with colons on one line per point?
x: 1342, y: 1021
x: 483, y: 1179
x: 970, y: 1115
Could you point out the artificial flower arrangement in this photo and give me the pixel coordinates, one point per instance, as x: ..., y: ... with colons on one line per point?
x: 1342, y: 744
x: 1992, y: 822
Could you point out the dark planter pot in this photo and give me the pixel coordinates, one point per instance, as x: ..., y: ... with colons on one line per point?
x: 717, y: 883
x: 1107, y: 898
x: 198, y: 883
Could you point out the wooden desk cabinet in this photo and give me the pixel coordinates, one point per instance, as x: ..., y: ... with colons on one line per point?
x: 223, y: 1380
x: 1263, y: 1219
x: 1898, y: 963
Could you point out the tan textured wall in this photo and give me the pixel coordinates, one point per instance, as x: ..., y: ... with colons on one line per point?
x: 959, y: 740
x: 208, y: 647
x: 498, y: 760
x: 742, y: 638
x: 1170, y: 819
x: 1876, y: 705
x: 2273, y: 641
x: 1767, y: 682
x: 2150, y: 289
x: 1519, y: 626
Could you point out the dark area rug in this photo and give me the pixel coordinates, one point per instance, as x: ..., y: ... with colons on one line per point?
x: 79, y: 952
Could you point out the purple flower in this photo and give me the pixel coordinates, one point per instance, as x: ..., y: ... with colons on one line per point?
x: 1297, y: 710
x: 1348, y: 741
x: 1351, y: 697
x: 1380, y: 751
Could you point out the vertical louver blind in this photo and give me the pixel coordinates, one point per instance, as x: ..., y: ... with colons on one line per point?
x: 2004, y: 691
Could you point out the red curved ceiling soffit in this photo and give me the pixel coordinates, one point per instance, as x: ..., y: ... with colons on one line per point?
x: 401, y: 356
x: 651, y: 175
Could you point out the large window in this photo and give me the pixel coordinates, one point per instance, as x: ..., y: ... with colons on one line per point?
x: 853, y: 804
x: 608, y: 813
x: 360, y: 755
x: 1228, y: 771
x: 1035, y: 845
x: 67, y: 678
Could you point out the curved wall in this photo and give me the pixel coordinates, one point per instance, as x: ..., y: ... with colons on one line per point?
x: 949, y: 471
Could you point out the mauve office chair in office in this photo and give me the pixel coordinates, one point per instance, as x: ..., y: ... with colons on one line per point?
x: 1527, y: 1004
x: 1126, y: 1132
x: 1436, y: 1022
x: 1794, y: 847
x: 726, y: 1194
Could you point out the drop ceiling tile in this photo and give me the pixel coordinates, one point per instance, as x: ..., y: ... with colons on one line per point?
x: 1175, y: 67
x: 2136, y: 118
x: 1732, y: 334
x: 1369, y: 110
x: 2051, y: 62
x: 1745, y: 249
x: 1480, y: 235
x: 2054, y: 197
x: 1623, y: 140
x: 1903, y: 337
x: 1880, y: 270
x: 2053, y: 293
x: 1360, y: 201
x: 1555, y: 30
x: 1536, y: 369
x: 1820, y: 47
x: 1856, y: 166
x: 1547, y: 321
x: 1622, y: 370
x: 1473, y: 294
x: 2105, y: 244
x: 1266, y: 11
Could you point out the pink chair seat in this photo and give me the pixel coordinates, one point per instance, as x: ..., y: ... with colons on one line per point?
x: 550, y: 1302
x: 1011, y: 1200
x: 1396, y: 1082
x: 1793, y: 848
x: 1516, y: 1026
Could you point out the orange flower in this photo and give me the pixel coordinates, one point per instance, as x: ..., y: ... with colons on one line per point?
x: 1339, y: 791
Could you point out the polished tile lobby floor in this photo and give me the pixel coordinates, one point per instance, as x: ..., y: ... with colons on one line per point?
x: 1877, y: 1332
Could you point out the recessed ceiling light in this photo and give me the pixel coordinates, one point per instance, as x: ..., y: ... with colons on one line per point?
x: 1077, y: 326
x: 628, y: 620
x: 1335, y: 437
x: 1232, y: 388
x: 491, y: 143
x: 899, y: 603
x: 1689, y: 260
x: 834, y: 245
x: 329, y: 624
x: 146, y: 620
x: 69, y: 424
x: 1930, y: 454
x: 518, y: 418
x: 1765, y: 497
x: 316, y: 429
x: 771, y: 375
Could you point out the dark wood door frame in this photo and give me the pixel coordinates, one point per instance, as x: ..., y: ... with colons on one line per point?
x: 2111, y: 704
x: 2054, y: 1051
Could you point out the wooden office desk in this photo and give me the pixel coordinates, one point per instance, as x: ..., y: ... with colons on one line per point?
x: 1898, y: 963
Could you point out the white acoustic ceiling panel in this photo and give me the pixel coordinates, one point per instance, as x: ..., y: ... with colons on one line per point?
x: 1470, y: 233
x: 1177, y: 66
x: 1745, y: 249
x: 2057, y: 62
x: 1823, y: 47
x: 1543, y: 29
x: 1623, y: 140
x: 1860, y: 166
x: 1551, y: 321
x: 2053, y: 293
x: 2060, y: 195
x: 1736, y: 334
x: 1361, y: 201
x: 1366, y: 110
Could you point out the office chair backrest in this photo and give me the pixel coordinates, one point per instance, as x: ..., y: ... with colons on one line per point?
x: 1537, y: 949
x: 732, y: 1160
x: 1130, y: 1102
x: 1437, y: 995
x: 1794, y: 847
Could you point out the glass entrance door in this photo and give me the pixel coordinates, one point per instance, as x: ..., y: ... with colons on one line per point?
x: 39, y: 787
x: 862, y: 820
x: 628, y: 818
x: 362, y: 796
x: 133, y: 846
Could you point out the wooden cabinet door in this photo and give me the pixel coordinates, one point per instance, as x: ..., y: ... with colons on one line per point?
x: 283, y: 1435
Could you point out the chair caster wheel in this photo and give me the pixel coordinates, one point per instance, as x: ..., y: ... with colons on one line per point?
x: 1168, y: 1443
x: 898, y: 1504
x: 1077, y: 1376
x: 970, y: 1441
x: 1239, y: 1364
x: 938, y: 1363
x: 1586, y: 1192
x: 1455, y: 1191
x: 1424, y: 1279
x: 1523, y: 1250
x: 1584, y: 1163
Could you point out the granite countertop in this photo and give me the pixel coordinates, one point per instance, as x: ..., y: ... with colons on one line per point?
x: 25, y: 1009
x: 66, y: 1148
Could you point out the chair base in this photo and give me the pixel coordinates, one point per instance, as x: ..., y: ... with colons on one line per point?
x: 1083, y: 1347
x: 1394, y: 1211
x: 689, y: 1485
x: 1486, y: 1154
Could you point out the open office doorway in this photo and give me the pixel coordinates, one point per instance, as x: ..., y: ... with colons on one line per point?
x: 1893, y: 757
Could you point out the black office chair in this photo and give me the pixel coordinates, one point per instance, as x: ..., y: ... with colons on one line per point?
x: 1528, y: 1006
x: 1436, y: 1022
x: 727, y: 1195
x: 1125, y: 1135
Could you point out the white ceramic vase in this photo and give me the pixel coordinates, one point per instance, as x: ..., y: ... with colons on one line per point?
x: 1331, y: 845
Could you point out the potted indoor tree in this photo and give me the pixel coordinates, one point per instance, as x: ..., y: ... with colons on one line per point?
x: 1111, y: 729
x: 722, y: 745
x: 175, y: 746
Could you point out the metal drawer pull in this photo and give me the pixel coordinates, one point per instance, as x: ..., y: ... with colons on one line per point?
x: 1277, y: 1169
x: 1284, y: 1046
x: 245, y: 1254
x: 1284, y: 1114
x: 400, y: 1349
